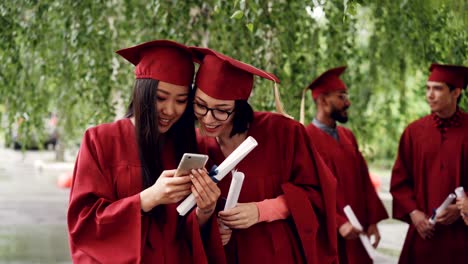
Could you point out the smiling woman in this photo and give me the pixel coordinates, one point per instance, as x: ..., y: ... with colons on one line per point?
x: 124, y: 193
x: 286, y: 190
x: 171, y: 104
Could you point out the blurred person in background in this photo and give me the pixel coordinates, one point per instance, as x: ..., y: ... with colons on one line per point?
x: 339, y: 149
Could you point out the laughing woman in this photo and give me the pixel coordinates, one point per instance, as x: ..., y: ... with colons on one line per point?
x: 287, y: 191
x: 122, y: 201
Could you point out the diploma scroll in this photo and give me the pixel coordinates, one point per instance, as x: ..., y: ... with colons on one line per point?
x: 222, y: 170
x: 364, y: 239
x: 236, y: 156
x: 442, y: 207
x: 234, y: 191
x: 460, y: 192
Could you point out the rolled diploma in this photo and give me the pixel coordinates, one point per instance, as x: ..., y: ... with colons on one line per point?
x: 442, y: 207
x: 234, y: 191
x: 460, y: 192
x: 364, y: 239
x: 223, y: 169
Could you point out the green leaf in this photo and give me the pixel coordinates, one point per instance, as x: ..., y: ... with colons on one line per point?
x: 250, y: 27
x: 237, y: 15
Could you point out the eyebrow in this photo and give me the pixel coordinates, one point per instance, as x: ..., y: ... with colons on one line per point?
x: 166, y: 92
x: 435, y: 86
x: 203, y: 101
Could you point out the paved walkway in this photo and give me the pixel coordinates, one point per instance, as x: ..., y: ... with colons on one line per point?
x: 32, y: 210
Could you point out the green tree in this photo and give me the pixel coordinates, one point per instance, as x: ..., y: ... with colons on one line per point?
x: 58, y: 56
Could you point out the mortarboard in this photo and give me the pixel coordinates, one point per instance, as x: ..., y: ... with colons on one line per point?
x: 450, y: 74
x: 329, y: 81
x: 225, y: 78
x: 162, y: 60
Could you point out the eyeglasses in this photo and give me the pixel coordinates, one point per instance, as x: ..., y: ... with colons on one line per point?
x: 218, y: 114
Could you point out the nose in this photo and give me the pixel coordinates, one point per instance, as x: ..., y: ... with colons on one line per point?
x: 429, y: 93
x: 208, y: 118
x: 347, y: 103
x: 168, y: 108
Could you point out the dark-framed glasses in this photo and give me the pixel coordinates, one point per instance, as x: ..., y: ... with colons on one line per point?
x: 218, y: 114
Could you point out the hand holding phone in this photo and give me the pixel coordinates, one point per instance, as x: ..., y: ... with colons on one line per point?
x: 191, y: 161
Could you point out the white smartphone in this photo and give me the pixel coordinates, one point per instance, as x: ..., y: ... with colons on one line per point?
x: 191, y: 161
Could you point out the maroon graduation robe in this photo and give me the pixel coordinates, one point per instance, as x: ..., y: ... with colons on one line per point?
x: 104, y: 217
x: 429, y: 166
x: 354, y: 186
x: 283, y: 163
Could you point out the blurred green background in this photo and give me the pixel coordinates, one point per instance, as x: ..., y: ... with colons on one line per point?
x: 57, y: 57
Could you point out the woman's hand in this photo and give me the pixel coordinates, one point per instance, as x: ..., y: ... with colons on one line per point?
x: 244, y: 215
x: 166, y: 190
x: 206, y: 194
x: 225, y: 233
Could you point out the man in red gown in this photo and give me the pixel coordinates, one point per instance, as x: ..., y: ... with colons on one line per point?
x: 339, y: 149
x: 432, y: 161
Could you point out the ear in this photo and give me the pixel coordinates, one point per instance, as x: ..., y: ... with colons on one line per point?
x: 457, y: 92
x: 322, y: 100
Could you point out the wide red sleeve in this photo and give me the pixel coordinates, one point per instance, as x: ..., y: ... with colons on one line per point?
x: 375, y: 209
x: 340, y: 217
x: 206, y: 243
x: 314, y: 135
x: 402, y: 182
x: 311, y: 199
x: 101, y: 228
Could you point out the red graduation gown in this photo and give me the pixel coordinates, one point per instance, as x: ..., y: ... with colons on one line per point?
x: 282, y: 163
x: 429, y: 166
x: 104, y: 217
x: 354, y: 186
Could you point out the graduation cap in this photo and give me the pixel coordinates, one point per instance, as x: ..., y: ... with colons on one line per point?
x: 162, y: 60
x: 454, y: 75
x: 328, y: 81
x: 225, y: 78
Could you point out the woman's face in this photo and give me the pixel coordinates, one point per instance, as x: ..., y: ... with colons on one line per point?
x: 215, y: 116
x: 171, y: 103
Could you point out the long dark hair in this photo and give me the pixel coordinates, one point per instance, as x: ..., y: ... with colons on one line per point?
x: 143, y: 108
x: 243, y: 116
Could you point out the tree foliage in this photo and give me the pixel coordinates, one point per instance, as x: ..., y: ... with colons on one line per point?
x: 58, y: 56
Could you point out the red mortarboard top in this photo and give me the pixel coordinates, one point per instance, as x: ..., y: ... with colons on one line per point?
x: 162, y: 60
x: 225, y: 78
x: 451, y: 74
x: 327, y: 82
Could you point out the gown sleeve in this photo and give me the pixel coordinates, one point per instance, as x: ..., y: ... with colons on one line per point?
x: 402, y: 184
x: 375, y: 209
x: 311, y: 198
x: 101, y: 227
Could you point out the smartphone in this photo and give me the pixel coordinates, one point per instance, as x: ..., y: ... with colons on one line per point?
x: 191, y: 161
